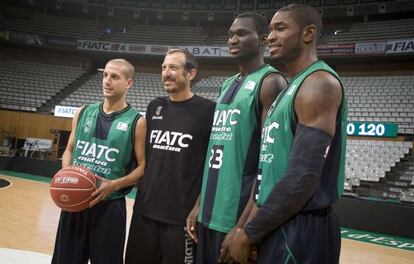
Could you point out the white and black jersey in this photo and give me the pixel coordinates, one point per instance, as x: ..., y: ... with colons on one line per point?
x: 176, y: 144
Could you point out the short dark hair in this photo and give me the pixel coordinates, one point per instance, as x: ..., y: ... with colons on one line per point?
x: 128, y: 68
x: 305, y: 15
x: 260, y: 22
x: 190, y: 60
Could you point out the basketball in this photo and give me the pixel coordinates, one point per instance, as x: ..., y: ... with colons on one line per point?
x: 71, y: 188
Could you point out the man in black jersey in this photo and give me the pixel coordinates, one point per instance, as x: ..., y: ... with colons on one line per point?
x: 231, y: 165
x: 178, y: 131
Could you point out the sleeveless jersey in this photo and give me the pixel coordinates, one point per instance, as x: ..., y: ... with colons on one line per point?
x: 232, y: 155
x: 105, y: 143
x: 277, y: 140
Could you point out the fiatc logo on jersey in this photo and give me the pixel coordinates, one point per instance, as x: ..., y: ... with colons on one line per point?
x: 169, y: 140
x: 95, y: 157
x: 223, y: 122
x: 268, y: 137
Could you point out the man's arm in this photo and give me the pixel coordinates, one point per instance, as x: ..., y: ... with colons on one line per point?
x: 109, y: 186
x: 191, y: 221
x: 67, y: 154
x: 245, y: 216
x: 272, y: 85
x: 316, y: 106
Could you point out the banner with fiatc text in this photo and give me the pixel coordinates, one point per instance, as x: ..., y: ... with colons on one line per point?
x: 65, y: 111
x: 390, y: 47
x: 400, y: 46
x: 202, y: 51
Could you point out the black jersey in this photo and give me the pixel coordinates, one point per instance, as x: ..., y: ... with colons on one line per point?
x: 176, y: 144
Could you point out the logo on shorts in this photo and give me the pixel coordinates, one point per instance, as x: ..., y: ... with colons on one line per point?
x: 157, y: 113
x: 189, y: 252
x: 327, y: 151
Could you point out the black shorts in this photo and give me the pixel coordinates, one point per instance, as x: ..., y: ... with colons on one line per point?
x: 309, y: 238
x: 209, y: 245
x: 154, y: 242
x: 97, y: 233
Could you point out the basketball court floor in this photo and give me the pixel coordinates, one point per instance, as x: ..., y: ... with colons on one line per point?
x: 28, y: 222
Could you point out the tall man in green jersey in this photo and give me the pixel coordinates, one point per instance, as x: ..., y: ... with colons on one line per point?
x: 109, y: 139
x: 301, y: 167
x: 232, y: 156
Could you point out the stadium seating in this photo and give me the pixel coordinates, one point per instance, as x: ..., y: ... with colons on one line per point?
x: 95, y: 30
x: 375, y: 31
x: 59, y: 26
x: 388, y: 99
x: 369, y: 160
x: 377, y: 163
x: 209, y: 87
x: 167, y: 35
x: 27, y: 85
x: 146, y: 87
x: 186, y: 35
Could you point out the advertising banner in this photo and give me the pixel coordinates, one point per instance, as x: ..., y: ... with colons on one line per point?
x: 372, y: 129
x: 65, y: 111
x: 400, y: 46
x: 370, y: 48
x: 336, y: 49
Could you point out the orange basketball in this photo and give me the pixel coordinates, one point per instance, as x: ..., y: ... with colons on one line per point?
x: 71, y: 188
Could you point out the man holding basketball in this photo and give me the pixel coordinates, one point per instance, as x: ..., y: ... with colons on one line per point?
x: 109, y: 139
x: 178, y: 132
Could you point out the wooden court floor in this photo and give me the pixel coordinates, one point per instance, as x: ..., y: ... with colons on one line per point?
x: 28, y: 221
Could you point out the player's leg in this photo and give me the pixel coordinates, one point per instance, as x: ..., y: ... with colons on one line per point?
x: 209, y: 245
x: 108, y: 228
x: 71, y: 244
x: 143, y: 241
x: 176, y: 245
x: 311, y: 237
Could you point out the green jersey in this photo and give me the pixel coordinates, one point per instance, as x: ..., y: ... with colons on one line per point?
x: 232, y: 156
x: 277, y: 139
x: 105, y: 143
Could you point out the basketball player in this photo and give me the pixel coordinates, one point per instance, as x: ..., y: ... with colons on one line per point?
x: 232, y: 157
x: 108, y: 138
x: 178, y: 131
x: 301, y: 167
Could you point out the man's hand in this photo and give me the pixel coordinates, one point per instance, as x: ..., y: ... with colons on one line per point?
x: 191, y: 223
x: 106, y: 187
x: 241, y: 249
x: 225, y: 248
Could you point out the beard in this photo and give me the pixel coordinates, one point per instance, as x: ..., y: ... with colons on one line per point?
x: 177, y: 87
